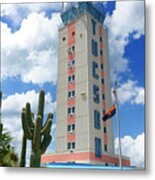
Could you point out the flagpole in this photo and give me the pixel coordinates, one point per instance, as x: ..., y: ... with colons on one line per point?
x: 118, y: 127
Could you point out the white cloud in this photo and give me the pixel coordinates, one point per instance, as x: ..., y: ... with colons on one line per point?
x: 11, y: 114
x: 129, y: 92
x: 31, y: 52
x: 133, y: 148
x: 127, y: 18
x: 17, y: 12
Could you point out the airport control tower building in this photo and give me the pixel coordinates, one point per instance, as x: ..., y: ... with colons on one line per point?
x: 83, y: 91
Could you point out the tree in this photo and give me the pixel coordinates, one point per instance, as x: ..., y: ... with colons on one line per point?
x: 8, y: 157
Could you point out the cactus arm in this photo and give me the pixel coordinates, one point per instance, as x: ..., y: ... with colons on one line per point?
x: 25, y: 127
x: 45, y: 143
x: 41, y: 104
x: 37, y: 134
x: 50, y: 116
x: 23, y: 152
x: 29, y: 115
x: 47, y: 127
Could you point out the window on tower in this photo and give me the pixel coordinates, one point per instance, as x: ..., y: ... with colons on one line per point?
x: 102, y: 81
x: 100, y: 39
x: 73, y: 33
x: 98, y: 148
x: 70, y: 145
x: 63, y: 39
x: 101, y: 52
x: 94, y: 48
x: 103, y: 112
x: 94, y: 26
x: 97, y: 119
x: 105, y: 148
x: 71, y: 94
x: 71, y: 78
x: 71, y: 110
x: 73, y: 48
x: 102, y: 66
x: 105, y: 129
x: 71, y: 128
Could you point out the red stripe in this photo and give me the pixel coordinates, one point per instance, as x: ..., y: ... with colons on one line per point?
x: 82, y: 156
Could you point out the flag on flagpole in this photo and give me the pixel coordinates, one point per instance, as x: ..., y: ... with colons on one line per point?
x: 110, y: 112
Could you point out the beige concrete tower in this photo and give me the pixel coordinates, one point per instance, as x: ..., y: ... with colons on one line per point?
x: 83, y: 91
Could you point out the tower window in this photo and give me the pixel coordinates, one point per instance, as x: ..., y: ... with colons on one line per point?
x: 100, y: 39
x: 101, y: 52
x: 71, y: 78
x: 98, y: 149
x: 94, y: 48
x: 64, y: 38
x: 73, y: 33
x: 103, y: 112
x: 73, y: 48
x: 103, y: 96
x: 101, y: 66
x: 73, y: 145
x: 105, y: 147
x: 71, y: 128
x: 105, y: 129
x: 102, y: 81
x: 93, y: 26
x: 70, y: 145
x: 97, y: 119
x: 71, y: 94
x: 71, y: 110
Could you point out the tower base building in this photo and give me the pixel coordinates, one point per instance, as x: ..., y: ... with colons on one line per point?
x: 83, y: 91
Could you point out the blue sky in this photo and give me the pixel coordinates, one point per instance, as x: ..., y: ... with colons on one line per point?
x: 22, y: 79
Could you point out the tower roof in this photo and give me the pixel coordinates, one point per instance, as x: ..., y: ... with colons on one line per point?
x: 94, y: 9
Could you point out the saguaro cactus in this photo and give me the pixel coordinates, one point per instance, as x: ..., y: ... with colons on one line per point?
x: 35, y: 131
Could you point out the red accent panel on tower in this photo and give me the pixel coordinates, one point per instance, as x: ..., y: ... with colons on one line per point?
x: 71, y: 102
x: 71, y: 119
x: 71, y: 137
x: 71, y: 71
x: 71, y: 86
x: 71, y: 34
x: 105, y: 137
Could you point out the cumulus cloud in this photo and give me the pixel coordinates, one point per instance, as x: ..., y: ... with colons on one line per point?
x: 133, y: 148
x: 130, y: 92
x: 31, y: 52
x: 124, y: 21
x: 17, y: 12
x: 11, y: 114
